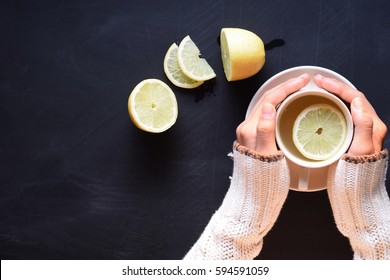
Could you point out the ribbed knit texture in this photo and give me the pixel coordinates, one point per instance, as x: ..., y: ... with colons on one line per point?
x: 258, y: 189
x: 361, y: 205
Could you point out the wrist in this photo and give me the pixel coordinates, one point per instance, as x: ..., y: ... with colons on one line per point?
x: 366, y: 158
x: 267, y: 157
x: 356, y: 189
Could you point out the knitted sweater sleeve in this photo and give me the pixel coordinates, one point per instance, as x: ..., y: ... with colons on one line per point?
x: 361, y: 205
x: 258, y: 189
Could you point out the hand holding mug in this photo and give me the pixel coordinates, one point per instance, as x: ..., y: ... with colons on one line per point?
x: 257, y: 132
x: 370, y: 131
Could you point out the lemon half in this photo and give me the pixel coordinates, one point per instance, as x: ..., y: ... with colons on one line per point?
x: 319, y: 131
x: 153, y: 106
x: 242, y: 52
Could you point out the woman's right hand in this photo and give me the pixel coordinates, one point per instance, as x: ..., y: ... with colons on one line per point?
x: 257, y: 132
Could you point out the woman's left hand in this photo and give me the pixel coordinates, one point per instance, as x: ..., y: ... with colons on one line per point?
x: 370, y: 131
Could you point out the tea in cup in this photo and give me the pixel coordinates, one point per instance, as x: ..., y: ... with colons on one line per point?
x: 306, y: 124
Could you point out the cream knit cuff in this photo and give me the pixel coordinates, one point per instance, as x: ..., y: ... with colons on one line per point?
x: 361, y: 205
x: 258, y: 189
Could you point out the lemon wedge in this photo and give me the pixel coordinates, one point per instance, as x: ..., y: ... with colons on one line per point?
x: 190, y: 62
x: 242, y: 52
x: 153, y: 106
x: 173, y: 71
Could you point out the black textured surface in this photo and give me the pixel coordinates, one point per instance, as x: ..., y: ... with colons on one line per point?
x: 79, y: 181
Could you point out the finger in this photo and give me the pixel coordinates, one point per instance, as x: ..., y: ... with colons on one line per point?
x: 247, y: 128
x: 344, y: 91
x: 348, y: 94
x: 265, y: 132
x: 362, y: 143
x: 279, y: 93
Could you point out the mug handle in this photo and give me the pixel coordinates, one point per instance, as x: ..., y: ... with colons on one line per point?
x: 304, y: 172
x: 303, y: 180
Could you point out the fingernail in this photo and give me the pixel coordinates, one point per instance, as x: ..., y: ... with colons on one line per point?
x: 304, y: 75
x: 267, y: 111
x: 319, y: 76
x: 358, y: 104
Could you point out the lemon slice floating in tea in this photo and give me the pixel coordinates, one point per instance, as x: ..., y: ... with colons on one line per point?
x: 153, y: 106
x: 319, y: 131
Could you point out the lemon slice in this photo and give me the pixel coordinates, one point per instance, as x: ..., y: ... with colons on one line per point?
x: 191, y: 64
x: 319, y: 131
x: 242, y: 52
x: 153, y: 106
x: 173, y: 71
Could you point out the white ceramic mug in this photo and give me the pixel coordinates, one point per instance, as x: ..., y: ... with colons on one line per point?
x: 287, y: 113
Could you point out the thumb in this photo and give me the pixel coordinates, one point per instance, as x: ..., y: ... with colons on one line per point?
x: 362, y: 143
x: 265, y: 136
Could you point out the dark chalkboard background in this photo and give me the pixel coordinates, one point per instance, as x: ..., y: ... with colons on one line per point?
x: 79, y: 181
